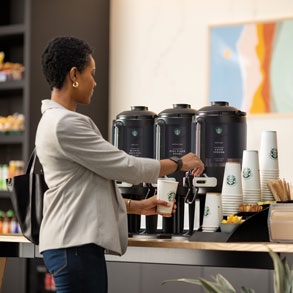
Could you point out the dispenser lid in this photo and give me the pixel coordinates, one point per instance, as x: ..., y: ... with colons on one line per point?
x: 178, y: 110
x: 220, y: 108
x: 137, y: 112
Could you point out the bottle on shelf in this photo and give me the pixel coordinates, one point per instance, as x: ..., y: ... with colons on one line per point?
x: 1, y: 222
x: 13, y: 222
x: 12, y: 168
x: 6, y: 224
x: 10, y: 70
x: 19, y: 168
x: 4, y: 174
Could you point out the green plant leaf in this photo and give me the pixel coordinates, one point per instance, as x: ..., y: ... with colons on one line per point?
x: 225, y: 284
x: 291, y: 280
x: 183, y: 280
x: 288, y: 278
x: 282, y: 274
x: 210, y: 287
x: 246, y: 290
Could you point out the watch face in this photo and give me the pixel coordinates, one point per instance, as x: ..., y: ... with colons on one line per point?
x: 178, y: 161
x: 175, y: 159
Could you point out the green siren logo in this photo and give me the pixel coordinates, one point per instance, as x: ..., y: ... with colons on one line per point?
x: 134, y: 133
x: 246, y: 173
x: 206, y: 211
x: 231, y: 180
x: 177, y: 131
x: 219, y: 130
x: 171, y: 196
x: 274, y: 153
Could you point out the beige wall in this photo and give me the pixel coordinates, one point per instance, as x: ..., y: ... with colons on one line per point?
x: 159, y: 56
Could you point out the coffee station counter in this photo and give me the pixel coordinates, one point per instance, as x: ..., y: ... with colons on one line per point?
x: 185, y: 244
x: 220, y: 246
x: 169, y: 251
x: 159, y: 244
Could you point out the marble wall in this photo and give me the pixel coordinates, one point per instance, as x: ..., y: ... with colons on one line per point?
x: 159, y: 56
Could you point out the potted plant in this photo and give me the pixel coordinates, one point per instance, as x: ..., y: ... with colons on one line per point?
x: 283, y: 279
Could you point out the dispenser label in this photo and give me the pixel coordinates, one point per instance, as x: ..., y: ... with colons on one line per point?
x: 134, y: 141
x: 139, y: 141
x: 176, y: 141
x: 219, y: 130
x: 223, y: 141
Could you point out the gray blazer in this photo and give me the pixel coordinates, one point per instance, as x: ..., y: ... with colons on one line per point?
x: 83, y: 204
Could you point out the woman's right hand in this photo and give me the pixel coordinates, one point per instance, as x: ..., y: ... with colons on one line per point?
x: 191, y: 161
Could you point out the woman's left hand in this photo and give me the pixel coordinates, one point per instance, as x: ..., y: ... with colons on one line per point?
x: 149, y: 206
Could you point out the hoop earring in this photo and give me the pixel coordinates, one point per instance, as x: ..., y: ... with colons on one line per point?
x: 75, y: 84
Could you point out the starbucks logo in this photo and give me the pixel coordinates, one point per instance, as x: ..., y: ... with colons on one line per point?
x: 134, y: 133
x: 171, y: 196
x: 231, y: 180
x: 246, y: 173
x: 206, y: 211
x: 177, y: 131
x: 219, y: 130
x: 274, y: 154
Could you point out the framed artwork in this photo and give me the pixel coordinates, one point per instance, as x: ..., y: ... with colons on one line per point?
x: 251, y: 66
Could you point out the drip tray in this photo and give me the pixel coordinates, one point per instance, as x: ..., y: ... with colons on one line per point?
x: 145, y: 236
x: 180, y: 237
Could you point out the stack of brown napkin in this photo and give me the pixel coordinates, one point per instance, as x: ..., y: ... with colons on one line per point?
x: 281, y: 190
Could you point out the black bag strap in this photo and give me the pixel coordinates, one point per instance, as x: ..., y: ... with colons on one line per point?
x: 32, y: 162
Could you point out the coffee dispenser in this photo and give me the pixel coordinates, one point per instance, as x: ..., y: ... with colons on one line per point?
x: 133, y: 132
x: 173, y: 138
x: 219, y: 134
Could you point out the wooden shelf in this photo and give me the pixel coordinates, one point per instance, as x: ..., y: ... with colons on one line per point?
x: 12, y: 85
x: 4, y: 194
x: 12, y: 139
x: 12, y: 30
x: 13, y: 238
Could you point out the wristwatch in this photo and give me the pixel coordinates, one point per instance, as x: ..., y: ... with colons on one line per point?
x: 178, y: 161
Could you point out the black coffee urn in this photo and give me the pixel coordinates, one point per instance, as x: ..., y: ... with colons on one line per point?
x: 173, y: 138
x: 219, y: 135
x: 133, y: 132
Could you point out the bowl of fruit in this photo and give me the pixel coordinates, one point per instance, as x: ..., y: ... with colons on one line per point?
x: 231, y: 224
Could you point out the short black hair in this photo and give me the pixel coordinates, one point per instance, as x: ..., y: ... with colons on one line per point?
x: 61, y: 54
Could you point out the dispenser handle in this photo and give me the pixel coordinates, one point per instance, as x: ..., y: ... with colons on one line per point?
x: 192, y: 191
x: 191, y: 195
x: 191, y: 215
x: 160, y: 126
x: 151, y: 190
x: 200, y: 137
x: 118, y: 133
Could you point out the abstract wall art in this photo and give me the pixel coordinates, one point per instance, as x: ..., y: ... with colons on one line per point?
x: 251, y: 66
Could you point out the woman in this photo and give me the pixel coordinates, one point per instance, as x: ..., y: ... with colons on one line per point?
x: 84, y: 213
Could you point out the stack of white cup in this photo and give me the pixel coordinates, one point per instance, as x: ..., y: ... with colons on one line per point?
x: 212, y: 212
x: 232, y: 189
x: 250, y: 177
x: 268, y: 162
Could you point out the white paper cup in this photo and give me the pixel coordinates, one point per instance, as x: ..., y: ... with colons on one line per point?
x: 250, y: 159
x: 268, y: 154
x: 167, y: 192
x: 250, y: 170
x: 212, y: 212
x: 232, y: 179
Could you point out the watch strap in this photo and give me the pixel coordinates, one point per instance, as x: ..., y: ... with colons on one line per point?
x: 178, y: 161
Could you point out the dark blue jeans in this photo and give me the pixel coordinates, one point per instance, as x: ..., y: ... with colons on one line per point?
x: 79, y: 269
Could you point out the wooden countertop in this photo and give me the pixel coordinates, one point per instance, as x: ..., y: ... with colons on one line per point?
x: 185, y: 244
x: 220, y: 246
x: 13, y: 238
